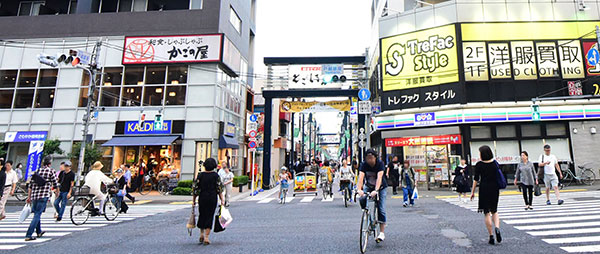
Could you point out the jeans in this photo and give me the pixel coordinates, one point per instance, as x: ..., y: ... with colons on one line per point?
x: 117, y: 200
x: 38, y: 206
x: 348, y: 186
x: 380, y: 205
x: 408, y: 195
x: 60, y: 203
x: 527, y: 193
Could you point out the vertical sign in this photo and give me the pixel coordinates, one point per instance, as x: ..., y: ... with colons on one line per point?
x: 499, y: 60
x: 575, y: 88
x: 475, y: 59
x: 592, y: 57
x: 547, y: 59
x: 34, y: 156
x: 523, y: 60
x: 571, y: 59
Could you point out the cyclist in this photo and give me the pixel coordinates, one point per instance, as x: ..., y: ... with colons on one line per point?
x: 346, y: 176
x: 283, y: 180
x: 371, y: 174
x: 326, y: 174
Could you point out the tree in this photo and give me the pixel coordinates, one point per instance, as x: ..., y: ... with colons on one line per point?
x: 93, y: 153
x: 2, y: 149
x: 52, y: 147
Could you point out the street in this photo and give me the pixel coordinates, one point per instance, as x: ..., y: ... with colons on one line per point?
x: 309, y: 224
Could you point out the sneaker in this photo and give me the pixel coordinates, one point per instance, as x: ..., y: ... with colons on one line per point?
x: 560, y: 202
x: 27, y: 239
x: 491, y: 241
x: 133, y: 200
x: 41, y: 234
x: 548, y: 202
x: 380, y: 237
x: 498, y: 235
x: 405, y: 205
x: 58, y: 219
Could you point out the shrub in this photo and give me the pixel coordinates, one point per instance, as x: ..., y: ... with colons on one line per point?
x: 183, y: 191
x: 240, y: 180
x: 185, y: 183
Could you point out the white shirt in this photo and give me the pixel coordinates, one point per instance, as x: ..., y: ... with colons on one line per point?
x: 346, y: 173
x: 225, y: 177
x: 549, y: 169
x: 11, y: 178
x: 93, y: 179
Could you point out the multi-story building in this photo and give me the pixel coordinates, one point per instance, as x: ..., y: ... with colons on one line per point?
x: 455, y: 75
x: 188, y: 59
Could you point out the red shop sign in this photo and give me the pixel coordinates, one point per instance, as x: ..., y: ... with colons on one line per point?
x: 429, y: 140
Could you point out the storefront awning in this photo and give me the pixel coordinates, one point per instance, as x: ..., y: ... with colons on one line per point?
x: 227, y: 142
x: 141, y: 141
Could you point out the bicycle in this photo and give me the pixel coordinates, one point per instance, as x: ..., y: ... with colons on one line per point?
x: 345, y: 191
x: 20, y: 191
x: 587, y: 177
x: 326, y: 186
x: 83, y: 206
x: 283, y: 190
x: 369, y: 223
x: 162, y: 186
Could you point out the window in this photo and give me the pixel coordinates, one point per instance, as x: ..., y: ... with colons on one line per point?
x: 481, y: 132
x: 175, y: 95
x: 44, y: 98
x: 73, y: 6
x: 112, y: 76
x: 24, y: 98
x: 27, y: 78
x: 177, y: 75
x: 155, y: 75
x: 506, y: 131
x: 48, y: 77
x: 132, y: 96
x: 30, y: 8
x: 134, y: 75
x: 196, y: 4
x: 153, y: 95
x: 556, y: 129
x: 139, y: 5
x: 531, y: 130
x: 125, y: 5
x: 109, y: 6
x: 8, y: 78
x: 235, y: 20
x: 6, y: 98
x: 110, y: 96
x: 83, y: 92
x: 161, y: 5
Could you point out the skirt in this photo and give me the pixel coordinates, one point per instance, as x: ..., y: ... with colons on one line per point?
x: 488, y: 199
x: 206, y: 211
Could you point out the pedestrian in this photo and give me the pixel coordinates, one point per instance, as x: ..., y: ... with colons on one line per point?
x: 227, y: 180
x: 486, y: 173
x: 66, y: 180
x: 393, y: 174
x: 2, y: 184
x: 121, y: 183
x: 371, y: 174
x: 407, y: 180
x: 461, y: 180
x: 8, y: 186
x: 208, y: 187
x: 19, y: 170
x: 94, y: 180
x: 549, y: 163
x: 127, y: 175
x: 43, y: 180
x: 527, y: 177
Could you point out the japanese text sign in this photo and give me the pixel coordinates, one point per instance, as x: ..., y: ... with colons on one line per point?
x: 429, y: 140
x: 25, y: 136
x: 309, y: 76
x: 173, y: 49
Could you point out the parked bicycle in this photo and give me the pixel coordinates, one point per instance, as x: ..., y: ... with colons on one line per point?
x: 21, y: 191
x: 148, y: 184
x: 83, y: 207
x: 369, y: 223
x: 587, y: 176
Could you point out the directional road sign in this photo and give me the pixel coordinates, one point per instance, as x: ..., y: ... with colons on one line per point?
x: 364, y: 94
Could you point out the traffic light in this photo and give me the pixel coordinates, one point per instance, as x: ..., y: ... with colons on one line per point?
x: 142, y: 119
x: 158, y: 122
x: 334, y: 79
x: 74, y: 58
x: 535, y: 113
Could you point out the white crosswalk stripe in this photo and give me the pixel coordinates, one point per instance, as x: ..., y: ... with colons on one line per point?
x: 12, y: 233
x: 573, y: 226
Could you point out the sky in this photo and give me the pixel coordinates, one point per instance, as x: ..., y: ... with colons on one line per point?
x: 312, y: 28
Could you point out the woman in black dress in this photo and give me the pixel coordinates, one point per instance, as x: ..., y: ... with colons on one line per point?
x: 208, y: 186
x: 486, y: 173
x: 461, y: 179
x: 393, y: 174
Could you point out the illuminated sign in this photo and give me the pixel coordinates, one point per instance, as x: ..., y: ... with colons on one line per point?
x: 429, y: 140
x: 173, y: 49
x: 134, y: 128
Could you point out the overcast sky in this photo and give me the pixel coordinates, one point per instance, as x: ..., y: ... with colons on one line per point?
x: 311, y: 28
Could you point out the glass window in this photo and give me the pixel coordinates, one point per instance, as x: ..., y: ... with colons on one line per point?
x: 24, y: 98
x: 109, y: 6
x: 8, y: 78
x: 481, y: 132
x: 560, y: 148
x: 177, y: 75
x: 175, y: 95
x: 6, y: 97
x: 134, y: 75
x: 30, y: 8
x: 534, y: 147
x: 475, y: 149
x: 155, y: 74
x: 83, y: 96
x: 153, y: 95
x: 125, y: 5
x: 73, y: 6
x: 131, y: 96
x: 556, y: 129
x: 48, y: 77
x: 27, y: 78
x: 507, y: 152
x: 235, y: 20
x: 110, y: 96
x: 44, y: 98
x: 196, y: 4
x: 113, y: 76
x: 531, y: 130
x: 139, y: 5
x: 506, y: 131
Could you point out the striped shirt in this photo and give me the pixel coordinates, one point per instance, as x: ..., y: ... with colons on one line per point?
x: 39, y: 192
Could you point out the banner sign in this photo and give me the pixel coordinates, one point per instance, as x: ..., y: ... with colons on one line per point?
x: 147, y: 128
x: 315, y: 106
x: 329, y: 138
x: 25, y: 136
x: 173, y: 49
x: 429, y: 140
x: 229, y: 129
x: 34, y: 157
x: 419, y: 59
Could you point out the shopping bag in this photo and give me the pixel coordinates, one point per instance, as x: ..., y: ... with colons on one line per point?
x: 217, y: 227
x: 25, y: 213
x: 225, y: 219
x: 537, y: 190
x: 52, y: 198
x: 415, y: 194
x: 191, y: 224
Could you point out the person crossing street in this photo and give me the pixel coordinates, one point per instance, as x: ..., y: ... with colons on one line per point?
x: 42, y: 183
x: 548, y: 163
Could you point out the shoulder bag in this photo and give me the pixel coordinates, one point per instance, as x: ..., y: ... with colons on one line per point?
x: 500, y: 179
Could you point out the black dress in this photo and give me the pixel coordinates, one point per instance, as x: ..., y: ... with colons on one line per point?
x: 485, y: 175
x: 462, y: 185
x: 394, y: 175
x: 208, y: 184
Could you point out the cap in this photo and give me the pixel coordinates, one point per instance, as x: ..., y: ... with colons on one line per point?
x: 119, y: 170
x: 67, y: 163
x: 371, y: 151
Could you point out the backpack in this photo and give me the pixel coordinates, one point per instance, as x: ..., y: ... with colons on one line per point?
x: 500, y: 179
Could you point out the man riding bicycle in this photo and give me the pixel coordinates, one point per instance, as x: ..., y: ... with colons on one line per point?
x: 371, y: 173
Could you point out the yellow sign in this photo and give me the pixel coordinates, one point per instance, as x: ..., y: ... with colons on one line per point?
x: 528, y: 31
x: 423, y: 58
x: 315, y: 106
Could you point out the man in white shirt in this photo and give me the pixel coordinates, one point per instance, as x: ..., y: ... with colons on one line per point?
x: 9, y: 186
x: 547, y: 163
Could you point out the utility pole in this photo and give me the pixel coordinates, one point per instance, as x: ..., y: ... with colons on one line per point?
x: 302, y: 140
x: 310, y: 133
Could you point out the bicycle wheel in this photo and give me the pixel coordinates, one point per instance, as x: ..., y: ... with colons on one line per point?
x: 365, y: 224
x: 324, y: 192
x: 567, y: 180
x: 80, y: 211
x: 374, y: 222
x: 163, y: 187
x: 283, y: 196
x: 345, y: 192
x: 588, y: 176
x: 146, y: 187
x: 20, y: 194
x: 110, y: 209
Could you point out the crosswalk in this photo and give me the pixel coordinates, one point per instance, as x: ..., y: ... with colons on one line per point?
x: 272, y: 197
x: 572, y: 227
x: 12, y: 233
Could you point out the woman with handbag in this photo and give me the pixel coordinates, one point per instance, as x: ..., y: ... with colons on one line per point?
x: 393, y: 174
x: 486, y: 172
x: 207, y: 187
x: 527, y: 177
x: 461, y: 180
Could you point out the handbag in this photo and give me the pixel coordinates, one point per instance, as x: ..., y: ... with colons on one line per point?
x: 537, y: 191
x: 500, y: 180
x: 25, y: 213
x: 191, y: 224
x: 217, y: 227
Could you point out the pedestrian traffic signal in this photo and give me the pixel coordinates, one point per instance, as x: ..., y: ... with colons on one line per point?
x: 334, y: 79
x: 158, y: 122
x: 535, y: 112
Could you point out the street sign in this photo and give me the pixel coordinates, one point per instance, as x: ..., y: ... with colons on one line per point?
x: 364, y: 107
x: 361, y: 144
x: 364, y: 94
x: 252, y: 126
x: 593, y: 56
x: 252, y: 134
x: 362, y: 136
x: 252, y: 144
x: 253, y: 118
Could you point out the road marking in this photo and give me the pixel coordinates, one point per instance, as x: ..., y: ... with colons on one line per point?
x: 556, y: 226
x: 582, y: 239
x: 330, y: 199
x: 511, y: 193
x: 587, y: 248
x: 565, y: 231
x: 11, y: 246
x: 289, y: 199
x: 266, y: 200
x: 50, y: 225
x: 141, y: 202
x: 181, y: 203
x: 307, y: 199
x: 74, y: 228
x: 554, y: 219
x: 47, y: 234
x: 549, y: 214
x: 21, y: 240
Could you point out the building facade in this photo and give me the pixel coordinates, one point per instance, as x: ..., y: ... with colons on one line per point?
x: 188, y: 61
x: 452, y: 76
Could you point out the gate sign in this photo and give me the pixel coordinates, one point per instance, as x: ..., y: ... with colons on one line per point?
x: 173, y: 49
x: 425, y: 119
x: 308, y: 77
x: 429, y: 140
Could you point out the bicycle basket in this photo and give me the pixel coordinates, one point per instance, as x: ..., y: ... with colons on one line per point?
x: 112, y: 188
x: 147, y: 178
x: 81, y: 190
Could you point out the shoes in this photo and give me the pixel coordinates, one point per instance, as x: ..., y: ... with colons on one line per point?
x: 201, y: 240
x: 41, y: 234
x: 498, y: 235
x: 491, y: 241
x: 395, y: 193
x: 411, y: 205
x: 380, y: 237
x: 530, y: 208
x: 548, y: 202
x: 405, y: 205
x: 560, y: 202
x: 58, y: 219
x: 206, y: 242
x: 133, y: 200
x: 55, y: 215
x: 27, y: 239
x: 3, y: 217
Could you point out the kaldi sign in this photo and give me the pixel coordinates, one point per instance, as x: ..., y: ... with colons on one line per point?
x: 418, y: 141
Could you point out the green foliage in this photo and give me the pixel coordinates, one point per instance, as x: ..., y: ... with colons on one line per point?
x: 240, y: 180
x: 182, y: 191
x: 52, y: 146
x: 185, y: 183
x: 3, y: 147
x: 93, y: 153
